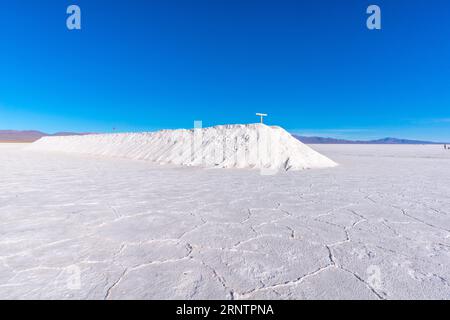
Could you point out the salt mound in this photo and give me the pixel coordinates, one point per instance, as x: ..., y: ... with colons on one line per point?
x: 228, y: 146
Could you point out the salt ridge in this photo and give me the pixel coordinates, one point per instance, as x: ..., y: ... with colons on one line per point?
x: 226, y: 146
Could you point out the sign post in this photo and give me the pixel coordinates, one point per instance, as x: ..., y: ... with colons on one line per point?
x: 262, y: 115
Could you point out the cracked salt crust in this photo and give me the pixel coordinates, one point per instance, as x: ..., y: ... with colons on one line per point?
x: 139, y: 230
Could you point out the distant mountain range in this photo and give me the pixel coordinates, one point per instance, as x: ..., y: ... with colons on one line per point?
x: 320, y: 140
x: 33, y: 135
x: 29, y: 135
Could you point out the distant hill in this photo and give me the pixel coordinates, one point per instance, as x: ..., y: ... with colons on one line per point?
x: 321, y: 140
x: 29, y: 135
x: 34, y: 135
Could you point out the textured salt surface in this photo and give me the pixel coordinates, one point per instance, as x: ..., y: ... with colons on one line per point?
x: 231, y: 146
x: 90, y: 227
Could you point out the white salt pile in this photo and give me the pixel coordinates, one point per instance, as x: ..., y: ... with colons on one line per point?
x: 228, y: 146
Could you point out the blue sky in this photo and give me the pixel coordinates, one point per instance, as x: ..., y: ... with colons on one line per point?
x: 152, y: 64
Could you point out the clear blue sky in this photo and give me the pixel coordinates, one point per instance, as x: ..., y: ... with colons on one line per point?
x: 151, y: 64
